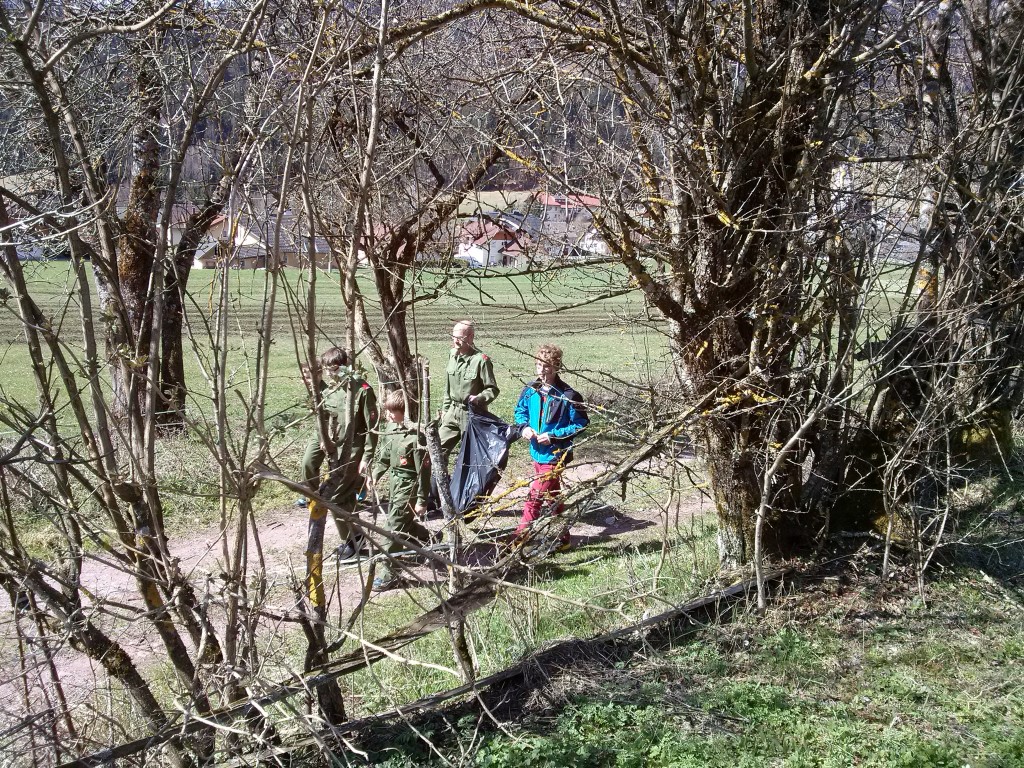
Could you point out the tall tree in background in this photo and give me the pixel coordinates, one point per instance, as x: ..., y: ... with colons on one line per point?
x: 435, y: 143
x: 754, y: 165
x: 115, y: 108
x: 950, y: 380
x: 103, y: 100
x: 716, y: 200
x: 746, y: 158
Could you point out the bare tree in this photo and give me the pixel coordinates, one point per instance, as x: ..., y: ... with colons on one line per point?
x: 746, y: 160
x: 751, y: 164
x: 712, y: 160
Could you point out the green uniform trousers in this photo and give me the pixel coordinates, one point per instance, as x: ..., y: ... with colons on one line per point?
x: 451, y: 428
x: 401, y: 516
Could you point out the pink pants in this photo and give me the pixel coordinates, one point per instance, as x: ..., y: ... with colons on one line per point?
x: 545, y: 488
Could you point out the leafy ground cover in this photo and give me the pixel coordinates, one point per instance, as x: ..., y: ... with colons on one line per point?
x: 846, y: 669
x: 842, y: 675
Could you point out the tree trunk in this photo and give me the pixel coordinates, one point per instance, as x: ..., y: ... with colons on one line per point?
x: 137, y: 248
x: 737, y: 495
x: 99, y: 647
x: 173, y: 388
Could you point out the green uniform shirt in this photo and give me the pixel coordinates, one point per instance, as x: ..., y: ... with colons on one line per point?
x: 468, y: 375
x: 402, y: 452
x: 363, y: 416
x: 362, y: 440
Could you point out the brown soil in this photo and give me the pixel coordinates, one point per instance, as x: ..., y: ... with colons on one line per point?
x: 281, y: 542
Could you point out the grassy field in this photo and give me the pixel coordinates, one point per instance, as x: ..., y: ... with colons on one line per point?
x: 841, y: 676
x: 602, y: 340
x: 608, y: 345
x: 845, y: 670
x: 605, y: 341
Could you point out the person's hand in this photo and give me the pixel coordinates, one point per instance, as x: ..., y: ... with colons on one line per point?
x: 544, y: 438
x: 420, y: 509
x: 363, y: 467
x: 528, y: 433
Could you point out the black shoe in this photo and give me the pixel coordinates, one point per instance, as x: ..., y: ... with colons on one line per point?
x: 302, y: 501
x: 348, y: 551
x: 434, y: 511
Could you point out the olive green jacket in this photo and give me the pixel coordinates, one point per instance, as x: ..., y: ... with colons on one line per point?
x: 402, y: 452
x: 356, y: 426
x: 468, y: 375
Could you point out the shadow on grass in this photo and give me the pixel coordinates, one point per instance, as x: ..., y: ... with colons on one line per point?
x: 613, y: 522
x: 990, y: 532
x: 543, y: 685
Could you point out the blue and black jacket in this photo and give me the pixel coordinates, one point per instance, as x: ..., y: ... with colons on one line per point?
x: 559, y: 412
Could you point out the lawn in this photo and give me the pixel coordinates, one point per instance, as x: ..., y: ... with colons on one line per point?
x: 603, y: 341
x: 615, y: 352
x: 845, y: 670
x: 609, y: 345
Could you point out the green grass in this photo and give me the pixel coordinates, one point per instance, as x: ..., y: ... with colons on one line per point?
x: 600, y: 339
x: 844, y: 676
x: 844, y: 670
x: 603, y: 347
x: 593, y: 589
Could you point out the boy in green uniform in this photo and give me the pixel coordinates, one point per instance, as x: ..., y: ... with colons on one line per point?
x: 469, y: 382
x: 350, y: 405
x: 401, y: 452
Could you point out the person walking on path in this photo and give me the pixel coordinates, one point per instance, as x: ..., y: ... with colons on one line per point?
x: 349, y: 407
x: 551, y: 414
x: 401, y: 453
x: 469, y: 383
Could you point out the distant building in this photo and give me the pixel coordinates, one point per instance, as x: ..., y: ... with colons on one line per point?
x: 544, y: 227
x: 568, y: 203
x: 247, y: 242
x: 491, y: 240
x: 553, y: 228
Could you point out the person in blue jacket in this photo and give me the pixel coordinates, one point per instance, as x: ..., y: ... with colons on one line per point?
x: 551, y: 414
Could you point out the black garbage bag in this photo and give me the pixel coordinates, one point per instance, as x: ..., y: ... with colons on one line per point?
x: 482, y: 456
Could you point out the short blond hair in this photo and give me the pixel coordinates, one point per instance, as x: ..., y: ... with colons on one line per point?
x: 468, y: 326
x: 550, y: 354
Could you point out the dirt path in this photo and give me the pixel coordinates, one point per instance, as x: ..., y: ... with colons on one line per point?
x: 281, y: 540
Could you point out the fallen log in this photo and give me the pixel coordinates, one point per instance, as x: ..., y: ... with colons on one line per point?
x: 479, y: 592
x: 657, y: 631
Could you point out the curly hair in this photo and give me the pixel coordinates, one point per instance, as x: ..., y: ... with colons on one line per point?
x: 550, y: 354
